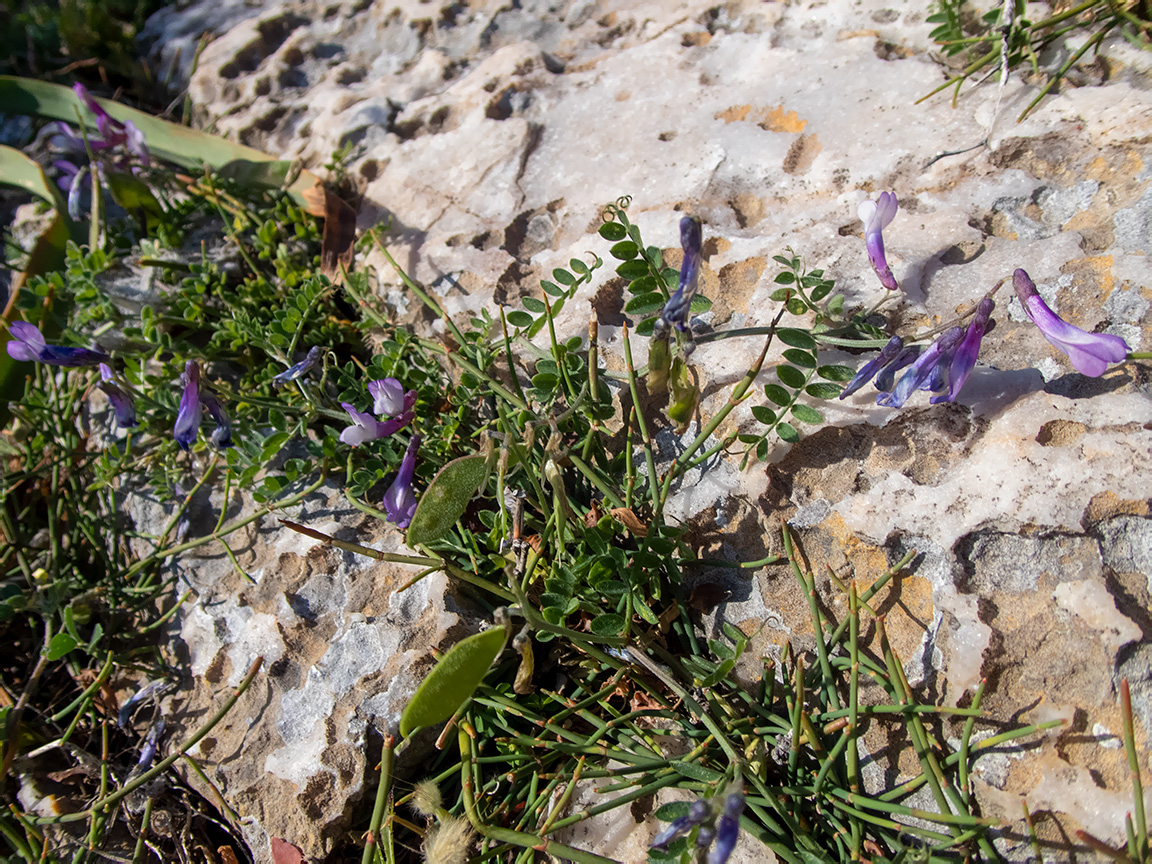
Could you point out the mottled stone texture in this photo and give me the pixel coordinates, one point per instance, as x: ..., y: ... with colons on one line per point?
x: 491, y: 135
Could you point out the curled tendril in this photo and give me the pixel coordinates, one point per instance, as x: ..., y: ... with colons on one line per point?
x: 617, y: 208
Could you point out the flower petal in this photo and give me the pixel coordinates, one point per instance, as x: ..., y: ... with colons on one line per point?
x: 189, y: 415
x: 1089, y: 353
x: 387, y: 395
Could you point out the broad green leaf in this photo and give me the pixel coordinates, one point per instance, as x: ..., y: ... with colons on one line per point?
x: 787, y: 432
x: 836, y: 373
x: 764, y: 414
x: 625, y: 250
x: 563, y: 276
x: 445, y: 499
x: 607, y: 625
x: 697, y: 772
x: 133, y: 194
x: 188, y: 148
x: 454, y: 679
x: 800, y: 357
x: 613, y: 231
x: 645, y: 327
x: 777, y: 394
x: 785, y: 278
x: 633, y: 269
x: 823, y: 390
x: 700, y: 304
x: 791, y: 376
x: 519, y: 319
x: 60, y: 645
x: 796, y: 338
x: 533, y: 305
x: 671, y: 811
x: 807, y: 414
x: 23, y: 172
x: 645, y: 304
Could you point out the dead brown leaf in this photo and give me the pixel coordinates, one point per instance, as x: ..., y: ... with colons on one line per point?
x: 630, y: 520
x: 338, y: 246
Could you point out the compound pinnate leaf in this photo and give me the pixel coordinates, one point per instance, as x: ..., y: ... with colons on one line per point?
x: 445, y: 499
x: 452, y: 680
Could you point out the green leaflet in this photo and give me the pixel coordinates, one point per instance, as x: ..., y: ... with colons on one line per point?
x: 445, y: 499
x: 453, y: 680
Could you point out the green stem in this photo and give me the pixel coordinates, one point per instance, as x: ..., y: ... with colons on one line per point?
x: 387, y: 756
x: 160, y: 767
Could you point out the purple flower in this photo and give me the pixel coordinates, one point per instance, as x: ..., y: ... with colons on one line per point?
x: 679, y: 306
x: 365, y: 427
x: 389, y: 398
x: 876, y: 215
x: 113, y: 131
x: 1090, y: 353
x: 728, y: 826
x: 887, y: 354
x: 966, y: 353
x: 222, y: 434
x: 188, y: 417
x: 888, y: 373
x: 927, y: 371
x: 28, y: 343
x: 121, y: 402
x: 697, y: 813
x: 297, y: 371
x: 400, y: 500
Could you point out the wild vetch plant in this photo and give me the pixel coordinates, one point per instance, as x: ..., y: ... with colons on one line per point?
x: 501, y: 452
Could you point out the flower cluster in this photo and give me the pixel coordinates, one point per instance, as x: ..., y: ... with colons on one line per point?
x: 945, y: 365
x: 718, y: 821
x: 117, y: 146
x: 190, y: 413
x: 27, y: 343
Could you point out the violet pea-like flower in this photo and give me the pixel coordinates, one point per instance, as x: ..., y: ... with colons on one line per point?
x: 189, y: 415
x: 678, y: 827
x: 222, y: 434
x: 1090, y: 353
x: 887, y: 354
x: 876, y: 215
x: 967, y: 352
x: 727, y: 827
x: 400, y: 499
x: 28, y: 343
x: 926, y: 370
x: 122, y: 405
x: 113, y: 131
x: 366, y: 427
x: 294, y: 372
x: 389, y: 398
x: 679, y: 306
x: 887, y: 375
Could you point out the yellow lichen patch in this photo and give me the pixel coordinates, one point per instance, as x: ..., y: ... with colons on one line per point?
x: 778, y: 120
x: 1108, y: 504
x: 733, y: 114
